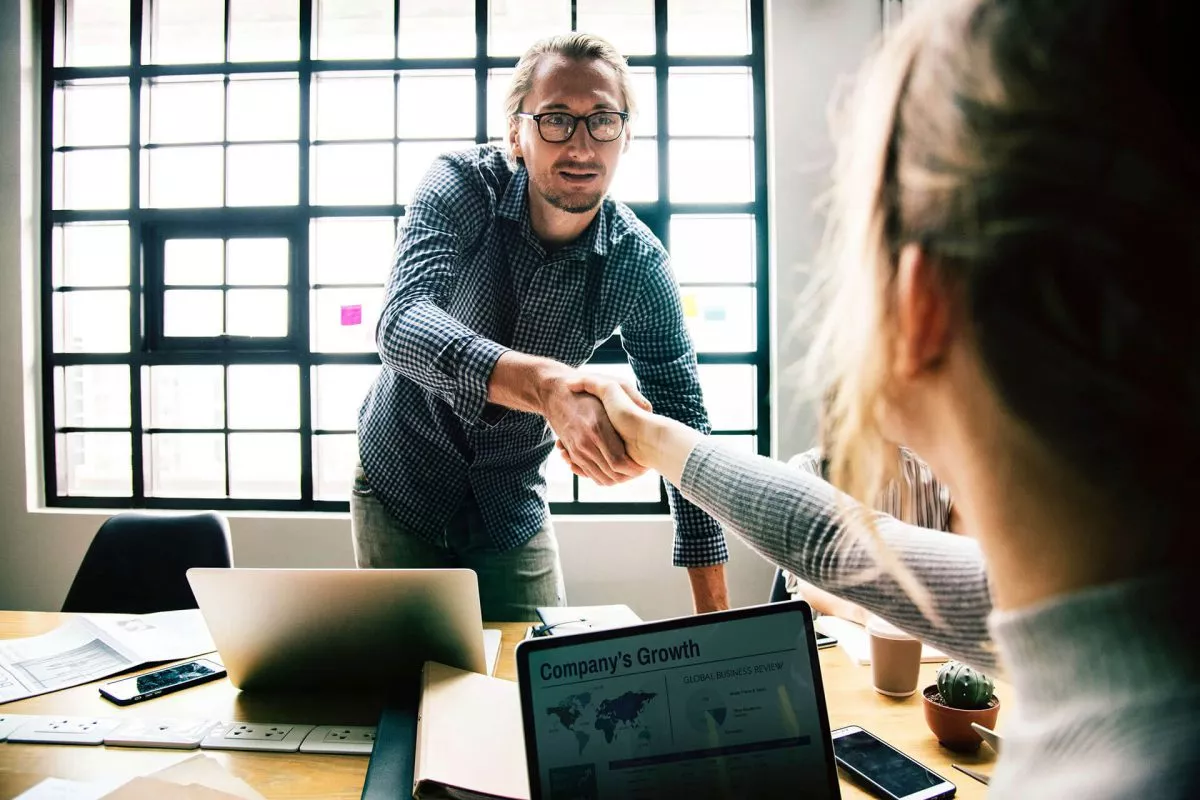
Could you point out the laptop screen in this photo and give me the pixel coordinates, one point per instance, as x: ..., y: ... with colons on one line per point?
x: 724, y: 705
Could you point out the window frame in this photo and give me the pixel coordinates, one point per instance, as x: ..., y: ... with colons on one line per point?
x: 148, y: 226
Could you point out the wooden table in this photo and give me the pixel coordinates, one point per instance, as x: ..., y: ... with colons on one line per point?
x: 848, y: 693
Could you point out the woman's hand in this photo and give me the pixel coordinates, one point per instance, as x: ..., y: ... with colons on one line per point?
x: 628, y: 411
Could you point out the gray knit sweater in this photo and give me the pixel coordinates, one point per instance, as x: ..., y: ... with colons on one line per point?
x: 1106, y: 681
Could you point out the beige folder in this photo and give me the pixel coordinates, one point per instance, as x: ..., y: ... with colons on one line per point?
x: 470, y: 740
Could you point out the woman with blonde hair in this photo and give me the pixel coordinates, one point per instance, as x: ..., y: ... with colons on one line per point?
x: 1016, y: 252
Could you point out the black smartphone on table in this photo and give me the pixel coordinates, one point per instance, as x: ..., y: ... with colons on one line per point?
x: 884, y: 770
x: 125, y: 691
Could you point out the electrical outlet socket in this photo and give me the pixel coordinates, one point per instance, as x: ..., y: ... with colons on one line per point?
x: 280, y: 738
x: 175, y: 734
x: 10, y: 722
x: 340, y: 739
x: 65, y: 730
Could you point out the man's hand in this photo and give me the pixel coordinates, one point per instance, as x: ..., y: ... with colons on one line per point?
x: 709, y: 590
x: 625, y: 407
x: 586, y: 436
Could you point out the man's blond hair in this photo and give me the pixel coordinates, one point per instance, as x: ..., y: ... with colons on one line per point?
x: 577, y: 47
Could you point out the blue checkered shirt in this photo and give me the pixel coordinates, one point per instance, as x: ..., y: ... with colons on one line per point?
x: 470, y: 280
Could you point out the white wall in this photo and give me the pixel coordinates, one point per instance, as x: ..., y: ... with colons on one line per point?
x: 810, y: 43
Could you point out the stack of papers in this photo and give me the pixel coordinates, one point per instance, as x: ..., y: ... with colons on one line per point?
x: 197, y: 778
x: 89, y: 647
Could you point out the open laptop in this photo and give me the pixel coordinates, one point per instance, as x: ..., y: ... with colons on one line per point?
x: 339, y: 629
x: 726, y: 705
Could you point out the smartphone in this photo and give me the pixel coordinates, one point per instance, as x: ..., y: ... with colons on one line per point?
x: 825, y: 640
x: 169, y: 679
x: 884, y: 769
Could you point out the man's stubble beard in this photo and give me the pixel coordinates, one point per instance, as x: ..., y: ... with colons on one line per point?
x: 583, y: 206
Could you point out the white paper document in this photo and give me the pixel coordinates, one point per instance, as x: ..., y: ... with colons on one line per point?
x: 853, y: 639
x: 92, y: 646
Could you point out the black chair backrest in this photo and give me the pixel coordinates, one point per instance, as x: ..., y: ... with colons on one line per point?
x: 779, y: 592
x: 137, y: 562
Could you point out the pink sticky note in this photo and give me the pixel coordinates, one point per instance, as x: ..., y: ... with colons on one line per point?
x: 352, y: 315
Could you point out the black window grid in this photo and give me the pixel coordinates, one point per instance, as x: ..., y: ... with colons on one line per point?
x: 149, y: 225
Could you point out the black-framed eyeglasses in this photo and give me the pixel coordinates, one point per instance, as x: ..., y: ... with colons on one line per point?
x: 556, y: 127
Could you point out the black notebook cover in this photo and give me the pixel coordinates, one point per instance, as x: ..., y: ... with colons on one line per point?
x: 390, y: 770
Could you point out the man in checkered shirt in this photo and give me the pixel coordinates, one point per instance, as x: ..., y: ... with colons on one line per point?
x: 512, y: 266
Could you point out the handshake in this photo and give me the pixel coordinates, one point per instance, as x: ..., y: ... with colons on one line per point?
x: 602, y: 425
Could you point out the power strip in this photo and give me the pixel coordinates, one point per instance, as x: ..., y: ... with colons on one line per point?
x: 187, y: 734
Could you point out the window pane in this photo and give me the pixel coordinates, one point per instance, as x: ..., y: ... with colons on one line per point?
x: 257, y: 312
x: 97, y: 32
x: 636, y: 179
x: 183, y: 177
x: 352, y: 249
x: 354, y: 106
x: 264, y: 108
x: 263, y: 175
x: 710, y: 102
x: 91, y: 254
x: 628, y: 24
x: 193, y: 312
x: 560, y: 481
x: 92, y: 396
x: 95, y: 464
x: 188, y: 110
x: 354, y: 29
x: 721, y: 320
x: 432, y: 104
x: 91, y: 113
x: 352, y: 174
x: 334, y: 458
x: 739, y: 444
x: 643, y: 489
x: 186, y: 397
x: 187, y: 32
x: 413, y: 160
x: 264, y: 465
x: 706, y: 248
x: 729, y: 395
x: 338, y: 391
x: 264, y: 396
x: 712, y: 171
x: 437, y: 28
x: 497, y: 91
x: 264, y: 30
x: 708, y: 27
x: 86, y: 179
x: 92, y: 321
x: 645, y: 90
x: 185, y: 465
x: 193, y: 262
x: 516, y: 24
x: 258, y: 262
x: 344, y: 320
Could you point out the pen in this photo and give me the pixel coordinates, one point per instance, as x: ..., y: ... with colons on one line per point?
x: 979, y: 776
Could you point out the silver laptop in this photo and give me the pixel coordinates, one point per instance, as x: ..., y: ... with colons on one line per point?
x: 339, y: 629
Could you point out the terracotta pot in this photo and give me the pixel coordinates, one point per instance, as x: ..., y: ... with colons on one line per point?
x: 952, y: 726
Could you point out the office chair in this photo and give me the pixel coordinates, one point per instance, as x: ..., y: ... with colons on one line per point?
x: 779, y: 592
x: 137, y: 562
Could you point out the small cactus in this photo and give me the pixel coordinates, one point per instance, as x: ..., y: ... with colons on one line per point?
x: 962, y: 687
